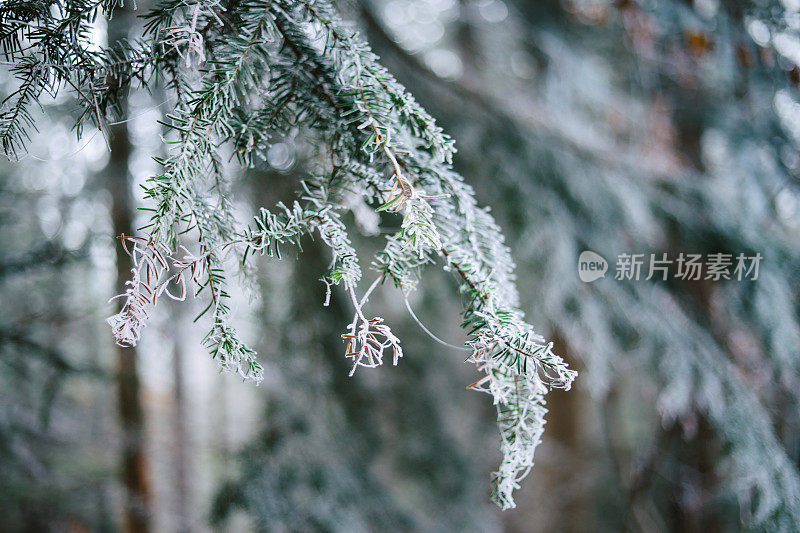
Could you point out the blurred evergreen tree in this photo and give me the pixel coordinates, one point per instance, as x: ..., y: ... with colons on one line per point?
x: 54, y: 472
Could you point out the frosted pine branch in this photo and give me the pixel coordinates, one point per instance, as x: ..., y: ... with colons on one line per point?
x: 366, y: 342
x: 285, y: 227
x: 287, y: 68
x: 418, y: 229
x: 155, y: 269
x: 470, y: 241
x: 151, y: 261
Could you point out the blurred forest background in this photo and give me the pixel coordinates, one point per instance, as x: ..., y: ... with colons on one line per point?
x: 619, y: 127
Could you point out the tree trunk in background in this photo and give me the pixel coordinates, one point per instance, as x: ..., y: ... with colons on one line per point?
x: 137, y: 506
x: 137, y: 489
x: 180, y: 414
x: 560, y: 468
x: 137, y: 510
x: 564, y: 424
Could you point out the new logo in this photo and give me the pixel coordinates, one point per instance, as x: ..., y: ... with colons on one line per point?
x: 591, y: 266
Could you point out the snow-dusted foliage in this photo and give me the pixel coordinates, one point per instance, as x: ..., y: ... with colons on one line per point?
x: 241, y: 71
x: 672, y: 147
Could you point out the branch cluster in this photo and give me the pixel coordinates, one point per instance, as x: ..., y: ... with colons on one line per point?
x: 242, y: 72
